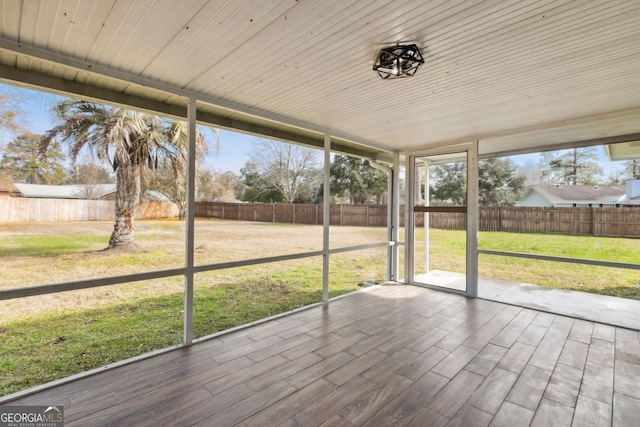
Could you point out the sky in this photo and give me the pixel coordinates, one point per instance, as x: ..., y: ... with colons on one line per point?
x: 233, y: 148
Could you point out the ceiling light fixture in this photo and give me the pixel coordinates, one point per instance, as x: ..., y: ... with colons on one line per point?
x: 398, y: 61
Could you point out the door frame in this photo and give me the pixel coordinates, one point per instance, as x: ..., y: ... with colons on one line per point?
x: 471, y: 151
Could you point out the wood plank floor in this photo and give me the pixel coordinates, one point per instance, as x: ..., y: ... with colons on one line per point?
x: 395, y: 355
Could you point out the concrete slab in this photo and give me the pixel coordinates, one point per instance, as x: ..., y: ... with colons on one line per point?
x: 597, y: 308
x: 581, y: 305
x: 443, y: 279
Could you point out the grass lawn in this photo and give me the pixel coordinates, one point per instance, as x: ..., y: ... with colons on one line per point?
x: 52, y: 336
x: 447, y: 252
x: 43, y: 348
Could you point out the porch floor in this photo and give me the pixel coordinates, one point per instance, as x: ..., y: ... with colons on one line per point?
x: 390, y: 355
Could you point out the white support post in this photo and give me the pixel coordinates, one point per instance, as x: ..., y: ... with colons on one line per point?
x: 190, y: 224
x: 326, y: 217
x: 394, y: 215
x: 426, y: 217
x: 390, y: 192
x: 391, y: 179
x: 409, y: 223
x: 472, y: 220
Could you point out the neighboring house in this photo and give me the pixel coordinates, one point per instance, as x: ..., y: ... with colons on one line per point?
x: 632, y: 194
x: 153, y: 196
x: 7, y: 190
x: 74, y: 191
x: 572, y: 196
x: 94, y: 192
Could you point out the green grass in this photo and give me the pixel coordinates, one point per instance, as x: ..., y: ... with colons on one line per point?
x: 48, y: 347
x: 45, y: 348
x: 49, y: 246
x: 281, y: 224
x: 447, y: 252
x: 570, y: 246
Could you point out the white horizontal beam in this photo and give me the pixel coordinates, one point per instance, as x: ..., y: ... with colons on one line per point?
x: 562, y: 259
x: 85, y: 284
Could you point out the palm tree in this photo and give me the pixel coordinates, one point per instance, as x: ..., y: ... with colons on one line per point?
x: 169, y: 174
x: 129, y: 142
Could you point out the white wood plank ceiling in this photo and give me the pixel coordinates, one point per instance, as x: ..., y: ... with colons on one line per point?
x: 514, y: 74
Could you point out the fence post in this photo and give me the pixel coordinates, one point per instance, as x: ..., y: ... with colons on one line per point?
x: 367, y: 206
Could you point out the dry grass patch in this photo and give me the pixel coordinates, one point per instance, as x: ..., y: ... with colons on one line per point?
x: 41, y: 253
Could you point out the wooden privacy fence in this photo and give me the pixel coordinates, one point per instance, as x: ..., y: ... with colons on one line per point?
x: 623, y: 222
x: 618, y: 222
x: 362, y: 215
x: 19, y: 209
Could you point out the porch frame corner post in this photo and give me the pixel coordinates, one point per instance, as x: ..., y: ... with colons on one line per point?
x: 427, y: 217
x: 409, y: 221
x: 326, y: 218
x: 190, y: 225
x: 393, y: 222
x: 472, y: 220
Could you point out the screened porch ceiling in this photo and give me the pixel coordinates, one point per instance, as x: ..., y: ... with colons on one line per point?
x: 518, y: 76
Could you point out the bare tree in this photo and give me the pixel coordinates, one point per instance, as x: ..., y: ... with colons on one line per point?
x: 91, y: 177
x: 11, y: 122
x: 219, y: 186
x: 292, y: 169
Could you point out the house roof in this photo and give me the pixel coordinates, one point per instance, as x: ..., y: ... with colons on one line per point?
x: 155, y: 196
x: 578, y: 193
x: 516, y: 76
x: 7, y: 188
x: 624, y: 200
x: 64, y: 191
x: 78, y: 191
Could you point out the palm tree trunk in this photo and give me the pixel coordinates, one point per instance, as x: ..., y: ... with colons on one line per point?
x: 182, y: 210
x: 127, y: 198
